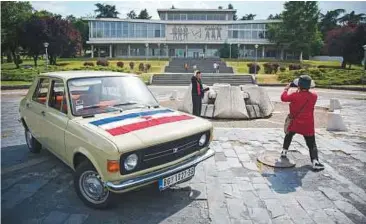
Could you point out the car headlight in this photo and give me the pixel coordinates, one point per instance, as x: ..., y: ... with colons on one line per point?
x: 131, y: 162
x: 202, y: 140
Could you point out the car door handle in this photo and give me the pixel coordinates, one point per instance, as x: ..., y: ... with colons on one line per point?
x: 43, y: 113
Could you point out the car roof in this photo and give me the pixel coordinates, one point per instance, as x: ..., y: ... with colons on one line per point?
x: 66, y: 75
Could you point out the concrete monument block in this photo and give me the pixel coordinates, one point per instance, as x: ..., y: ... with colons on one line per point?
x: 335, y: 122
x: 186, y: 104
x: 207, y: 110
x: 174, y: 95
x: 230, y: 104
x: 212, y: 94
x: 259, y: 96
x: 245, y: 95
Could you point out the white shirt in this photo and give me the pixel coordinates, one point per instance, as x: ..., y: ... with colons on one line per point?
x: 215, y: 65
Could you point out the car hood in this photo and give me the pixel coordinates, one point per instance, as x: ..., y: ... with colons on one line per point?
x: 136, y: 129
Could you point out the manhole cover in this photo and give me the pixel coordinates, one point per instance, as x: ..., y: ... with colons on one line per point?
x: 274, y: 159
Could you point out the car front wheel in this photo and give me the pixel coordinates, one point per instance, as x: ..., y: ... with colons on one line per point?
x: 33, y: 145
x: 90, y: 188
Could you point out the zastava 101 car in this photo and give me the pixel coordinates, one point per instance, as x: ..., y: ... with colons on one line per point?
x: 111, y: 131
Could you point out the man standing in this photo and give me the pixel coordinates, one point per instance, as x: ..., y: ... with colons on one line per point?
x: 197, y: 93
x: 215, y: 67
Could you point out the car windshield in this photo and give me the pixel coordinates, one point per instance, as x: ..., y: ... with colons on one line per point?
x: 97, y: 95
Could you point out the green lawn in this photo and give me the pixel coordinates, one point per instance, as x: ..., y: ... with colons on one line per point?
x: 13, y: 76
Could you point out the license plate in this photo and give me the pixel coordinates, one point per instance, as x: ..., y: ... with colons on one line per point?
x: 178, y: 177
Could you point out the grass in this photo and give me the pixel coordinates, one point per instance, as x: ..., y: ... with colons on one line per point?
x: 14, y: 83
x: 13, y: 76
x: 267, y: 79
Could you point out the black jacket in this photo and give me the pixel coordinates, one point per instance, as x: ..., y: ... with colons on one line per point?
x: 196, y: 82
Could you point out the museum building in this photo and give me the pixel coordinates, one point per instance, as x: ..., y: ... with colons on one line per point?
x: 181, y: 33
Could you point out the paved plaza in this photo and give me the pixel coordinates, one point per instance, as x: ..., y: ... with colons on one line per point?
x: 231, y: 187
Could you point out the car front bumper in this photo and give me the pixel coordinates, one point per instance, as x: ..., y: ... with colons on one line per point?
x: 156, y: 175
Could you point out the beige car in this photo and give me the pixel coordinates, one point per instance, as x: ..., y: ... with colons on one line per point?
x: 110, y: 129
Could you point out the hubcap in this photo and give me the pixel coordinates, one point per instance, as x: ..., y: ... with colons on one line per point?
x: 92, y: 187
x: 29, y: 138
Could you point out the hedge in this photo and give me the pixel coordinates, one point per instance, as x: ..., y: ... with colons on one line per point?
x: 325, y: 76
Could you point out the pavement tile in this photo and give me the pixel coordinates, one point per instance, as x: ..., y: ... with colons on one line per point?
x: 226, y: 145
x: 285, y: 219
x: 251, y: 200
x: 241, y: 221
x: 56, y: 217
x: 250, y: 166
x: 76, y: 219
x: 198, y: 191
x: 227, y: 189
x: 244, y: 157
x: 274, y: 207
x: 266, y: 194
x: 308, y: 203
x: 332, y: 194
x: 230, y: 153
x: 217, y: 208
x: 240, y: 150
x: 259, y: 215
x: 234, y: 162
x: 298, y: 214
x: 322, y: 201
x: 220, y: 157
x: 259, y: 180
x: 337, y: 216
x: 320, y: 217
x: 222, y: 166
x: 237, y: 210
x: 261, y: 186
x: 348, y: 208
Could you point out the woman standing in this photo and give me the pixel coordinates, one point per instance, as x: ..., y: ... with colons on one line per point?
x: 197, y: 93
x: 302, y: 104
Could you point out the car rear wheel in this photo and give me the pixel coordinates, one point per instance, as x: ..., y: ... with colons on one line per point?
x: 33, y: 145
x: 90, y: 188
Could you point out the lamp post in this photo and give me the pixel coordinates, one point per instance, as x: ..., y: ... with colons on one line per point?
x: 159, y: 53
x: 147, y: 51
x: 230, y: 51
x: 45, y: 44
x: 237, y: 61
x: 364, y: 65
x: 255, y: 64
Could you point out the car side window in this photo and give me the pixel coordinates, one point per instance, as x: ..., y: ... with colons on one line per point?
x: 57, y: 98
x: 40, y: 94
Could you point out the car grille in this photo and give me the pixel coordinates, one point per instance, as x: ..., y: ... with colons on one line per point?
x: 166, y: 152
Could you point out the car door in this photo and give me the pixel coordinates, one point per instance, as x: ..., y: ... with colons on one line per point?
x: 56, y: 118
x: 35, y: 109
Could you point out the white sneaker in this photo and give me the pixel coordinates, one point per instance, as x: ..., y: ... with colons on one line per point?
x: 317, y: 165
x: 284, y: 153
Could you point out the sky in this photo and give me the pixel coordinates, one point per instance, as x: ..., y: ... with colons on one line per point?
x: 261, y: 8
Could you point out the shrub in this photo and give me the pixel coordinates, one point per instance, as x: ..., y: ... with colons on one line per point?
x: 138, y: 73
x: 62, y: 64
x: 253, y: 68
x: 325, y: 76
x: 147, y: 67
x: 294, y: 67
x: 120, y: 64
x: 270, y: 68
x: 282, y: 68
x: 141, y: 67
x: 132, y: 65
x: 102, y: 62
x: 88, y: 63
x: 330, y: 66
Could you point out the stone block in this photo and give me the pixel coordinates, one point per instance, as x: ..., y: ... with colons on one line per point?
x: 230, y: 104
x: 259, y: 96
x: 335, y: 122
x: 334, y: 104
x: 186, y: 104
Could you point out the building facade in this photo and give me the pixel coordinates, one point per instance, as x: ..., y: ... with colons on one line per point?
x: 182, y: 33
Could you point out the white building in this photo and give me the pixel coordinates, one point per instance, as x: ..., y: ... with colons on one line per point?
x: 180, y: 33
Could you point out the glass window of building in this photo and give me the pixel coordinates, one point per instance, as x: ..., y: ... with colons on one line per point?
x: 113, y: 30
x: 210, y: 17
x: 247, y: 34
x: 99, y: 30
x: 125, y: 29
x: 190, y: 17
x: 235, y: 34
x: 255, y: 26
x: 176, y: 17
x: 183, y: 16
x: 170, y: 16
x: 254, y: 34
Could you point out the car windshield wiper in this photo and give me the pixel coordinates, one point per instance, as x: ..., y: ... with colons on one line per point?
x: 133, y: 103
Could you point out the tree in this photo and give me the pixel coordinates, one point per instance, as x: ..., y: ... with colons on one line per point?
x: 172, y: 7
x: 330, y: 20
x: 274, y: 17
x: 299, y: 29
x: 220, y: 7
x: 224, y: 51
x: 230, y: 6
x: 13, y: 15
x: 106, y: 11
x: 353, y: 18
x: 132, y: 14
x: 82, y: 26
x: 248, y: 17
x: 346, y: 41
x: 143, y: 15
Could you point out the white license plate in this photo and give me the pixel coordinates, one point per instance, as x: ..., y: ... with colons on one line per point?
x: 171, y: 180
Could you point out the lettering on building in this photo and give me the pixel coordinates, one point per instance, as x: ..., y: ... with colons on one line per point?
x: 182, y: 33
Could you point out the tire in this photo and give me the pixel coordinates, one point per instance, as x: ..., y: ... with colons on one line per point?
x: 95, y: 196
x: 33, y: 145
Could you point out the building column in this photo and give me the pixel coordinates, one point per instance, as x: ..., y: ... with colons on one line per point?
x: 167, y: 50
x: 128, y: 50
x: 263, y: 51
x: 110, y: 51
x: 186, y: 50
x: 244, y: 51
x: 282, y: 53
x: 205, y: 54
x: 92, y: 51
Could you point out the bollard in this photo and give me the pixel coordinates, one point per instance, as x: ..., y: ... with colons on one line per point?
x: 335, y: 122
x: 174, y: 95
x: 334, y: 105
